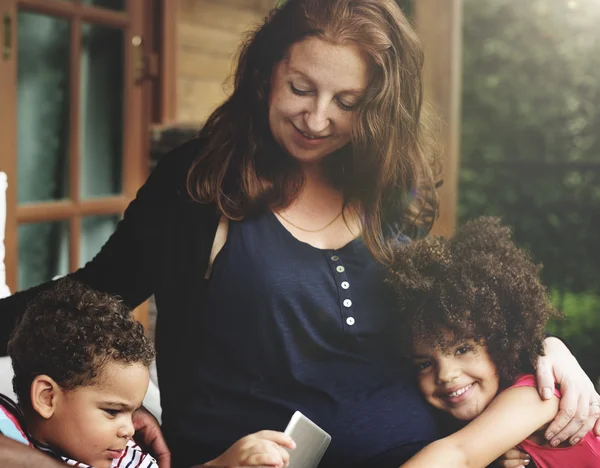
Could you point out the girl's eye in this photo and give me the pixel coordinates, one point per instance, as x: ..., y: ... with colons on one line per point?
x: 463, y: 350
x: 421, y: 366
x: 112, y: 412
x: 299, y: 92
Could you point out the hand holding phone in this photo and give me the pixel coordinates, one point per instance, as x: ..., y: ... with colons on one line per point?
x: 311, y: 442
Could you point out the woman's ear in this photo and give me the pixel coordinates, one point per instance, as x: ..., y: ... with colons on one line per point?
x: 44, y: 394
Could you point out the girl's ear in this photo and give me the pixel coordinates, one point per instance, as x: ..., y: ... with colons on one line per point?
x: 44, y: 394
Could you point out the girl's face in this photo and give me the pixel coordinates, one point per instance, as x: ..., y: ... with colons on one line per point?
x: 462, y: 382
x: 315, y: 91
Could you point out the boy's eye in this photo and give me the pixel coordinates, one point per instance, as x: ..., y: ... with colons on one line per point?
x: 112, y: 412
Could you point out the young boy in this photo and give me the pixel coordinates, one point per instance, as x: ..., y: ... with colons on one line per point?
x: 81, y: 370
x: 474, y: 317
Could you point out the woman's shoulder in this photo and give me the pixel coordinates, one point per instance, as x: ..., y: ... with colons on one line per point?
x: 176, y: 163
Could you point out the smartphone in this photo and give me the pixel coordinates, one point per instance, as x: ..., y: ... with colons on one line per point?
x: 311, y: 442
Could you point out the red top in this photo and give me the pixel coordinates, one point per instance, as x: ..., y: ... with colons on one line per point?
x: 586, y: 454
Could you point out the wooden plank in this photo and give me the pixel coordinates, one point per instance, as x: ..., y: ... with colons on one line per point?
x: 220, y: 15
x: 8, y: 138
x: 260, y: 5
x: 197, y: 99
x: 207, y: 39
x: 60, y: 210
x: 201, y: 65
x: 75, y: 138
x: 168, y: 60
x: 439, y: 23
x: 87, y: 14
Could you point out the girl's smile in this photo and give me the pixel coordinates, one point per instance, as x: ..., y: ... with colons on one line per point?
x: 462, y: 380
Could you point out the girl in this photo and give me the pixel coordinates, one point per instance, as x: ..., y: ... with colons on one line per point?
x: 476, y: 313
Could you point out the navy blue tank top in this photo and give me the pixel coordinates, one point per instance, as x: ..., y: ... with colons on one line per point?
x: 288, y: 327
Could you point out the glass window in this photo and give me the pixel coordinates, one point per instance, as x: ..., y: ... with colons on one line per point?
x: 95, y: 231
x: 43, y: 108
x: 43, y: 252
x: 102, y: 87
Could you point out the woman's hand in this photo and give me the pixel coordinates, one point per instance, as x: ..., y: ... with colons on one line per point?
x: 580, y: 403
x: 514, y: 458
x: 149, y: 436
x: 264, y: 448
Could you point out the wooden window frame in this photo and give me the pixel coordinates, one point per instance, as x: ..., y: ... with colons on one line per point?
x: 136, y: 121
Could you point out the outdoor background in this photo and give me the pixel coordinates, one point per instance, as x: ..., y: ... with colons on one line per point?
x: 530, y: 149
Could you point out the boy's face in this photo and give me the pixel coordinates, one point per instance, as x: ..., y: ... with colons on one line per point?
x: 462, y: 382
x: 93, y: 424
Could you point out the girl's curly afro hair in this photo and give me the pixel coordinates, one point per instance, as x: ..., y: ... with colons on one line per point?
x: 478, y: 285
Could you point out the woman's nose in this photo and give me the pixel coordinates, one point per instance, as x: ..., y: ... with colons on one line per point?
x: 316, y: 118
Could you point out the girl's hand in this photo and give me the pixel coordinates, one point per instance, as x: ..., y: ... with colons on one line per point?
x: 580, y: 403
x: 264, y: 448
x: 514, y: 458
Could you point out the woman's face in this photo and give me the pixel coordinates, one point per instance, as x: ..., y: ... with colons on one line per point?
x: 315, y: 91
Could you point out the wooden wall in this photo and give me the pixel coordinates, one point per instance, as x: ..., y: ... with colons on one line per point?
x: 208, y: 35
x: 439, y: 23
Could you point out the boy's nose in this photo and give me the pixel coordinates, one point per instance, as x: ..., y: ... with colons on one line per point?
x: 127, y: 430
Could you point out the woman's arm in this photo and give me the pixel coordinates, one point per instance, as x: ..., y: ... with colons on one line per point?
x: 579, y: 410
x: 127, y: 263
x: 512, y: 417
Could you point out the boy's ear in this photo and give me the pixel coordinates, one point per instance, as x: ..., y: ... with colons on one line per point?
x: 44, y: 394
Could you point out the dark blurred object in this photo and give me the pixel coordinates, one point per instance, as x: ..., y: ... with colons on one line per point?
x: 165, y: 138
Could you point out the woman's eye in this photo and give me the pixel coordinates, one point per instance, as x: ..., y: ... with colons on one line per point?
x: 298, y: 91
x: 346, y: 107
x: 463, y: 350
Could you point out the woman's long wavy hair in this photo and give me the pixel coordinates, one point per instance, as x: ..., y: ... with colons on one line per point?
x: 389, y: 169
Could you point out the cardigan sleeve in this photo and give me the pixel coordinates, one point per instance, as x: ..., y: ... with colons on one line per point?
x: 126, y: 264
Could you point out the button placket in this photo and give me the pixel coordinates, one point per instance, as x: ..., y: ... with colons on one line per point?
x: 343, y: 285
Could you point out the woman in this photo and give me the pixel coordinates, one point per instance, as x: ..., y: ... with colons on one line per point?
x: 315, y: 166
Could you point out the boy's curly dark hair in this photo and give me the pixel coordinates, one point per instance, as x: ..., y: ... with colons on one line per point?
x: 69, y: 332
x: 478, y: 285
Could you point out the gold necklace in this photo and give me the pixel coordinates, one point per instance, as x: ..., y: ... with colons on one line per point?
x: 311, y: 230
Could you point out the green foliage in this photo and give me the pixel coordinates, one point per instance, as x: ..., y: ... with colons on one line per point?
x: 531, y: 141
x: 579, y: 328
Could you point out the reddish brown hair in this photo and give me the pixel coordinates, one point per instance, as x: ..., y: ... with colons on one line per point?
x: 388, y: 171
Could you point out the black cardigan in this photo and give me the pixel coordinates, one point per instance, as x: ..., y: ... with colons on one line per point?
x: 161, y: 247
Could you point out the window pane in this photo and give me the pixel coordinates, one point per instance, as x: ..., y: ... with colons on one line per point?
x: 43, y: 252
x: 101, y: 111
x: 95, y: 231
x: 112, y: 4
x: 43, y: 107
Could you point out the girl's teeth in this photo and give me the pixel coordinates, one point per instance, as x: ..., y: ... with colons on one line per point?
x: 459, y: 392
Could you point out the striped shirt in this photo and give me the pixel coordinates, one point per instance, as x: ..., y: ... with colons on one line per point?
x: 12, y: 425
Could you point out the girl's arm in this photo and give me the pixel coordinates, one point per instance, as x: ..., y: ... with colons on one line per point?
x: 513, y: 416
